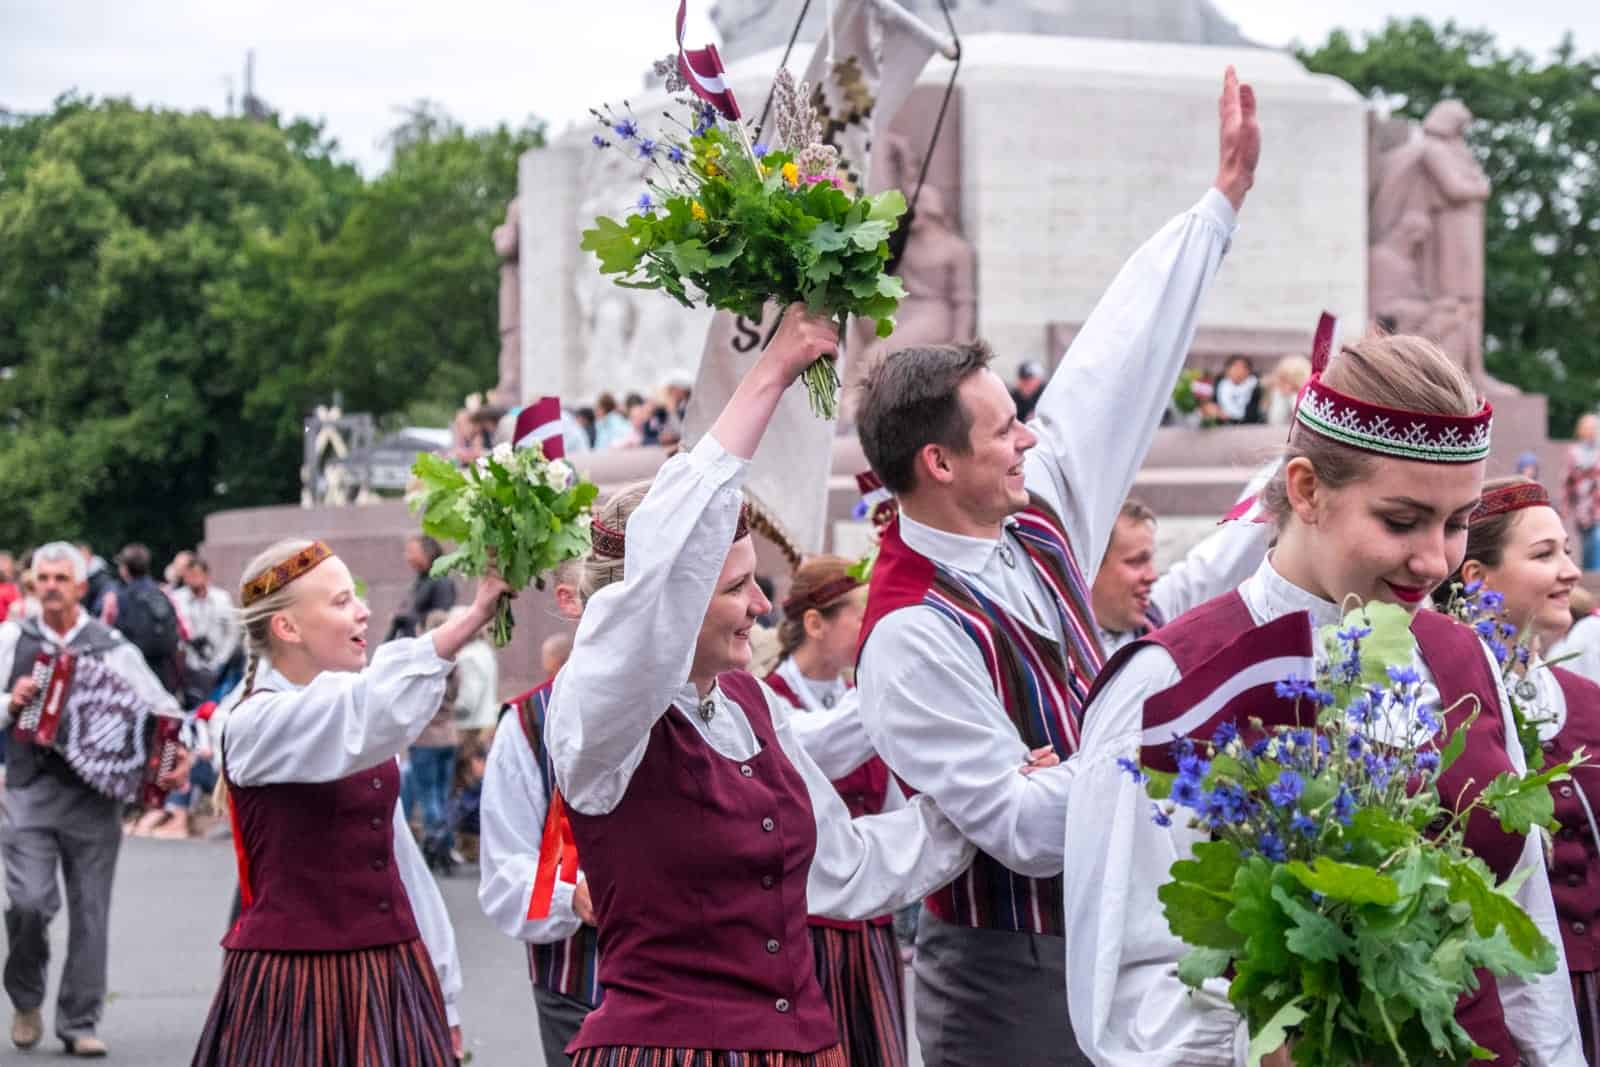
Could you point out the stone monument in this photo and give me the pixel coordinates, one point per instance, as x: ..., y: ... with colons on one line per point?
x: 507, y: 241
x: 1059, y: 156
x: 1425, y: 272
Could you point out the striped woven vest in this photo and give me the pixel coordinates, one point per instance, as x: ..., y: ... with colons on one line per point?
x: 564, y: 967
x: 1042, y: 686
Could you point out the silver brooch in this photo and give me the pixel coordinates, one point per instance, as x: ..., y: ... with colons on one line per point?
x: 1526, y: 690
x: 829, y: 701
x: 708, y: 708
x: 1007, y: 556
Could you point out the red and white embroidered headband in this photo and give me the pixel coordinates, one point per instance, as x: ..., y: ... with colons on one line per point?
x: 1510, y: 498
x: 1367, y: 427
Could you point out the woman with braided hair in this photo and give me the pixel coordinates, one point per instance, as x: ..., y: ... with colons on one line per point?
x: 343, y: 952
x: 704, y: 830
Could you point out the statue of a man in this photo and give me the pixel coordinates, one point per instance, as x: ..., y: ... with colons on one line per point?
x: 939, y: 270
x: 508, y: 391
x: 1399, y: 299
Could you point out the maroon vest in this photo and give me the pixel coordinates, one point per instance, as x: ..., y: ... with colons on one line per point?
x: 317, y: 866
x: 863, y: 791
x: 1575, y: 862
x: 1455, y: 658
x: 698, y: 879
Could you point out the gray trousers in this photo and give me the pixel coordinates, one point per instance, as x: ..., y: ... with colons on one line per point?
x: 559, y: 1019
x: 49, y: 824
x: 986, y: 997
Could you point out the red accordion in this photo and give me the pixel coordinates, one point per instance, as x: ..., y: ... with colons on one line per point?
x: 37, y: 723
x: 162, y: 759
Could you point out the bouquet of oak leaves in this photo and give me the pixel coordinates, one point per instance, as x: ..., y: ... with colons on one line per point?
x: 512, y: 510
x: 734, y: 225
x: 1336, y: 891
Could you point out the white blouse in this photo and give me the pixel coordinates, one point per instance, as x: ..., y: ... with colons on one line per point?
x: 1127, y: 1005
x: 929, y: 706
x: 832, y: 734
x: 601, y: 717
x: 511, y: 827
x: 341, y: 723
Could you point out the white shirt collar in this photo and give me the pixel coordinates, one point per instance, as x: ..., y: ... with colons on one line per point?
x: 63, y: 640
x: 956, y: 551
x: 1269, y: 595
x: 814, y: 694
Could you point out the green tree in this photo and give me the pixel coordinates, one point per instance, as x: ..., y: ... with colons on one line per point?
x: 128, y: 394
x: 1537, y: 134
x: 412, y: 275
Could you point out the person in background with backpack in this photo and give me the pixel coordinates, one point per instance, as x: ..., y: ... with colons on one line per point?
x: 143, y: 613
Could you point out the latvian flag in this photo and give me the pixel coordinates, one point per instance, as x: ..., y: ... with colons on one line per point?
x: 1235, y: 685
x: 877, y: 502
x: 702, y: 69
x: 540, y: 424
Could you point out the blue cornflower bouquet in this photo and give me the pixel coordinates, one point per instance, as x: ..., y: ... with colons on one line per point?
x: 1336, y: 888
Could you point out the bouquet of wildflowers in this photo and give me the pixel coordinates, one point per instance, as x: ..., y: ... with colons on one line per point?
x: 1336, y: 887
x: 733, y: 225
x: 1484, y: 610
x: 513, y: 510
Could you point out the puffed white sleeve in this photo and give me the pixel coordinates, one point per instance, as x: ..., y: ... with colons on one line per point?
x: 511, y: 826
x: 1539, y: 1011
x: 1128, y: 1007
x: 932, y: 714
x: 835, y: 738
x: 875, y: 864
x: 343, y: 722
x: 433, y: 921
x: 1098, y: 415
x: 677, y: 540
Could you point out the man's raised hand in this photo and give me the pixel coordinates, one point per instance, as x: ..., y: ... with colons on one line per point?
x: 1240, y: 139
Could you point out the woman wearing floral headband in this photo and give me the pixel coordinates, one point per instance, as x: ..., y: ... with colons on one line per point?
x: 1384, y: 466
x: 343, y: 952
x: 1518, y: 560
x: 704, y: 830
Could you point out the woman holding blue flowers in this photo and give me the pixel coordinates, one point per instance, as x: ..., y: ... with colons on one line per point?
x: 1383, y: 469
x: 1517, y: 580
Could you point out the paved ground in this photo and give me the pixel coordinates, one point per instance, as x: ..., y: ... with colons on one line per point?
x: 167, y: 915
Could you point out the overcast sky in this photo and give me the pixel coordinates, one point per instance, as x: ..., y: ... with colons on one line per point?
x: 354, y: 62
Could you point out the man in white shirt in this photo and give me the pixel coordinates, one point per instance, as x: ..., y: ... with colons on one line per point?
x: 980, y: 646
x: 212, y: 619
x: 55, y: 820
x: 1131, y: 598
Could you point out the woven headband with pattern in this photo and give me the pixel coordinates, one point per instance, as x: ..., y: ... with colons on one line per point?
x: 281, y: 574
x: 1367, y: 427
x: 1510, y: 498
x: 607, y: 543
x: 820, y: 597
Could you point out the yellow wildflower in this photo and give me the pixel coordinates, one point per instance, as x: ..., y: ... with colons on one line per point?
x: 698, y: 212
x: 711, y: 170
x: 791, y: 174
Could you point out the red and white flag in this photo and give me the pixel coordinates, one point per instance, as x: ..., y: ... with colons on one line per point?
x: 702, y: 69
x: 540, y: 424
x: 880, y: 504
x: 1235, y: 685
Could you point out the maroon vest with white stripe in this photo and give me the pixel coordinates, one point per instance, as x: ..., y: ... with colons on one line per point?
x: 698, y: 877
x: 1042, y: 686
x: 1455, y: 658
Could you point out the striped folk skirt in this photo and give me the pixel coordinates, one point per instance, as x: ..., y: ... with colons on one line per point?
x: 630, y: 1056
x: 1586, y: 996
x: 863, y: 981
x: 374, y: 1007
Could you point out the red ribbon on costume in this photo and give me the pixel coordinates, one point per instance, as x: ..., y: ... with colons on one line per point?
x: 557, y: 848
